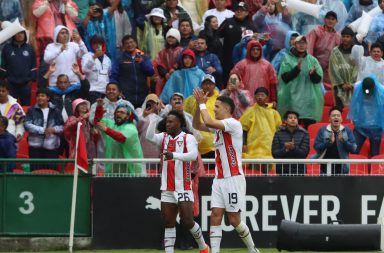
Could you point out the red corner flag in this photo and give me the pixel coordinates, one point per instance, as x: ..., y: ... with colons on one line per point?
x: 81, y: 157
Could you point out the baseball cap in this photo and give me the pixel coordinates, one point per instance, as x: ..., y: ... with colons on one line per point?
x: 300, y: 38
x: 152, y: 97
x: 242, y: 6
x: 208, y: 77
x: 331, y: 14
x: 246, y: 33
x: 368, y: 85
x: 177, y: 94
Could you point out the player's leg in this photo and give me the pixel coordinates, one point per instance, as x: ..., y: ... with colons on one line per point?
x: 217, y: 213
x: 186, y: 217
x: 168, y: 214
x: 235, y: 188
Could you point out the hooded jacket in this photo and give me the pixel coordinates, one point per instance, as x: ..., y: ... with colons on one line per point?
x: 18, y: 63
x: 276, y: 61
x: 183, y: 80
x: 256, y: 73
x: 64, y: 60
x: 16, y: 116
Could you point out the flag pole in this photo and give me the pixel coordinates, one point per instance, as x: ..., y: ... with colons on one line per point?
x: 74, y: 193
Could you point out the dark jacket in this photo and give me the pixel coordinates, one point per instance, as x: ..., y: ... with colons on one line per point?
x: 231, y: 30
x: 7, y: 149
x: 132, y: 77
x: 208, y: 60
x: 18, y: 63
x: 213, y: 42
x: 34, y: 124
x: 301, y: 138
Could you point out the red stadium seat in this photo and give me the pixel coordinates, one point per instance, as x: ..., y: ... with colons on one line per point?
x: 325, y: 116
x: 312, y: 169
x: 377, y: 168
x: 45, y: 171
x: 328, y: 99
x: 314, y: 128
x: 359, y: 168
x: 25, y: 108
x: 365, y: 148
x: 345, y: 114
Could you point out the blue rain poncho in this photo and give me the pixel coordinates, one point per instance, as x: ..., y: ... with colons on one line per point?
x: 338, y: 7
x: 276, y: 61
x: 366, y: 111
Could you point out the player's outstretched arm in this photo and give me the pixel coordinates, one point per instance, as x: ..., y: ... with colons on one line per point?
x: 201, y: 98
x: 151, y: 131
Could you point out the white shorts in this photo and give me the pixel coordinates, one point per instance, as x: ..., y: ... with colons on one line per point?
x: 176, y: 197
x: 229, y: 193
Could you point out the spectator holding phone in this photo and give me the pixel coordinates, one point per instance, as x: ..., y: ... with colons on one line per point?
x: 93, y: 24
x: 64, y: 53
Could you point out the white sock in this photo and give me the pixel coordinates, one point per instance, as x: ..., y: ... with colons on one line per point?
x: 169, y: 239
x: 198, y: 235
x: 215, y: 237
x: 243, y: 231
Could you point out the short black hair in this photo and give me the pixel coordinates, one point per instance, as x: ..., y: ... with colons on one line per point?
x: 335, y: 108
x: 4, y: 84
x: 291, y: 112
x: 376, y: 45
x: 262, y: 89
x: 4, y: 121
x: 45, y: 91
x: 227, y: 100
x: 97, y: 39
x: 128, y: 37
x: 180, y: 116
x: 112, y: 83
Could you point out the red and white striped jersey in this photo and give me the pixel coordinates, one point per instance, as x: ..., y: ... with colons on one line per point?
x: 229, y: 144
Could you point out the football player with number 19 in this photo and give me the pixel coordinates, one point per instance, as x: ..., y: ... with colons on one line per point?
x: 178, y: 150
x: 229, y: 185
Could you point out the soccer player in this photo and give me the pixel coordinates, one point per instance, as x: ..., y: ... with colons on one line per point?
x: 178, y: 149
x: 229, y: 185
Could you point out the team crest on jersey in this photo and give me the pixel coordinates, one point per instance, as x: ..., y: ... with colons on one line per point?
x: 179, y: 143
x: 25, y: 53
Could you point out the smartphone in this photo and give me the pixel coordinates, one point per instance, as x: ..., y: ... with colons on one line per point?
x: 148, y: 106
x: 99, y: 47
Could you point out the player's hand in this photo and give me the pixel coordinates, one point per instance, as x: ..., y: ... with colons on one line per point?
x: 167, y: 155
x: 199, y: 95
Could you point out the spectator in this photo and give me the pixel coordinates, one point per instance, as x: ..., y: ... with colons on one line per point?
x: 269, y: 20
x: 93, y: 24
x: 288, y: 42
x: 260, y: 123
x: 165, y: 62
x: 10, y: 10
x: 231, y: 30
x: 97, y: 67
x: 151, y: 35
x: 45, y: 125
x: 303, y: 23
x: 64, y: 93
x: 220, y: 12
x: 12, y: 111
x: 83, y: 6
x: 342, y: 70
x: 131, y: 71
x: 241, y: 98
x: 211, y: 34
x: 357, y: 9
x: 121, y: 139
x: 117, y: 25
x: 187, y: 36
x: 366, y: 110
x: 151, y: 105
x: 239, y: 52
x: 334, y: 141
x: 290, y: 142
x: 7, y: 145
x: 377, y: 25
x: 174, y: 13
x: 49, y: 15
x: 185, y: 79
x: 256, y: 72
x: 207, y: 61
x: 338, y: 7
x: 64, y: 54
x: 80, y: 108
x: 321, y: 41
x: 368, y: 65
x: 206, y: 147
x: 19, y: 64
x: 299, y: 87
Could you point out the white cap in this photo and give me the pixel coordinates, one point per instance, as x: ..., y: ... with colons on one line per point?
x: 208, y: 77
x: 157, y: 12
x: 246, y: 33
x: 174, y: 33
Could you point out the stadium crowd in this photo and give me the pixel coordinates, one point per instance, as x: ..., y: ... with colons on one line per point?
x: 115, y: 64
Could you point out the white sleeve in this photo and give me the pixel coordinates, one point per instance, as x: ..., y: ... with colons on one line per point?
x: 233, y: 127
x: 51, y: 52
x: 191, y: 155
x: 82, y: 49
x: 151, y: 135
x: 41, y: 9
x: 87, y: 63
x: 357, y: 53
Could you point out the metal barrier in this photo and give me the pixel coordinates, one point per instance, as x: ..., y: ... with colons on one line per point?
x: 150, y: 167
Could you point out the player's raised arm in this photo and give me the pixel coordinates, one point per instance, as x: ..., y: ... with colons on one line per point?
x: 208, y: 122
